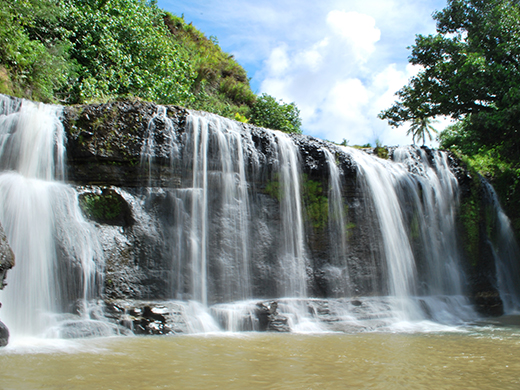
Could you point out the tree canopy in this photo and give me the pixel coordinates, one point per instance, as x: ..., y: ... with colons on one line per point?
x: 272, y: 114
x: 470, y: 69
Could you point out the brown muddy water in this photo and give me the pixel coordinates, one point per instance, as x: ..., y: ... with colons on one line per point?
x: 472, y: 358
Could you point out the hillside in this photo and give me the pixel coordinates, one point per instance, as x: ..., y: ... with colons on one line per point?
x: 85, y: 51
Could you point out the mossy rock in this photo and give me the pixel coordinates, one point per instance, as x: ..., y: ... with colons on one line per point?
x: 381, y: 152
x: 107, y: 207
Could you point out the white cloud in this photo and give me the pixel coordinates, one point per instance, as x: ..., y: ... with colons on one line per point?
x: 278, y: 61
x: 340, y: 61
x: 359, y: 30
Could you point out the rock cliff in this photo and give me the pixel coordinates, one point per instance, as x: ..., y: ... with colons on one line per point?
x: 135, y: 199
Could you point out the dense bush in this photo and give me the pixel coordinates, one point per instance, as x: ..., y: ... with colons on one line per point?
x: 29, y: 67
x: 270, y: 113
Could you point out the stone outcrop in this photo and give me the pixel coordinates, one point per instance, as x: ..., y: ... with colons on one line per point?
x: 6, y: 258
x: 6, y: 263
x: 132, y: 202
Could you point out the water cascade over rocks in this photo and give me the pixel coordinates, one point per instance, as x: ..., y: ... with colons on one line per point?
x: 57, y: 250
x: 504, y: 249
x: 168, y: 221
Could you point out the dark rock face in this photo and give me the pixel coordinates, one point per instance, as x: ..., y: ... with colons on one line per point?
x: 269, y: 319
x: 6, y: 258
x: 6, y: 263
x: 105, y: 142
x: 133, y: 197
x: 4, y: 335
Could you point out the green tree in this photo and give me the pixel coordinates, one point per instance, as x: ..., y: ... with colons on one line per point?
x: 272, y: 114
x: 470, y: 69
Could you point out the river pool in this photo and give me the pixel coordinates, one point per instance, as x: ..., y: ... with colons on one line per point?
x: 484, y: 357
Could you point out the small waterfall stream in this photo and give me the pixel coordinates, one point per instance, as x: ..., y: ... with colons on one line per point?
x: 337, y: 225
x: 222, y: 171
x: 506, y: 252
x: 416, y: 204
x: 292, y: 262
x: 381, y: 179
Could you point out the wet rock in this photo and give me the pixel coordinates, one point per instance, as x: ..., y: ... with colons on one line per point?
x: 489, y: 303
x: 149, y: 317
x: 269, y: 319
x: 105, y: 142
x: 4, y: 335
x: 6, y: 263
x: 6, y: 258
x: 139, y: 206
x: 105, y: 206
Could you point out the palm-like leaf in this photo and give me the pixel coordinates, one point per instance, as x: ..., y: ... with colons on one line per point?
x: 421, y: 126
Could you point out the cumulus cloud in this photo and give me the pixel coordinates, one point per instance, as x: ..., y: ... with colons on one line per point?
x: 359, y: 30
x: 324, y: 78
x: 340, y: 61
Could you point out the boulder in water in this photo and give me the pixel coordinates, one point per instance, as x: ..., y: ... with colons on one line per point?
x: 6, y: 263
x: 4, y: 335
x: 6, y: 258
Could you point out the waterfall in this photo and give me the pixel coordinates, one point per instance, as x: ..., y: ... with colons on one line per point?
x: 224, y: 171
x: 416, y: 202
x: 338, y: 270
x: 436, y: 199
x: 159, y: 126
x: 223, y: 221
x: 51, y: 240
x: 292, y: 250
x: 505, y: 252
x: 212, y: 212
x: 381, y: 179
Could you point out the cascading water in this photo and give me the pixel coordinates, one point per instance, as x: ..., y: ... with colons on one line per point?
x: 381, y: 180
x: 435, y: 192
x: 505, y: 251
x: 416, y: 205
x: 55, y: 248
x: 338, y: 269
x: 223, y: 171
x: 212, y: 229
x: 222, y: 224
x: 292, y: 251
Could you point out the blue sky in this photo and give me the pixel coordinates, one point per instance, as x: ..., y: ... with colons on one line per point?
x: 340, y: 61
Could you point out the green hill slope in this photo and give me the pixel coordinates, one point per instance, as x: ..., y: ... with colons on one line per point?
x: 83, y: 51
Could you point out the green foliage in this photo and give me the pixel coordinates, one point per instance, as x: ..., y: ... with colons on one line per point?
x: 469, y: 70
x: 221, y: 85
x: 316, y: 203
x: 420, y: 128
x: 83, y: 51
x: 241, y: 118
x: 381, y: 152
x: 461, y: 137
x: 103, y: 208
x: 29, y: 67
x: 123, y: 48
x: 273, y: 188
x: 491, y: 161
x: 470, y: 216
x: 272, y: 114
